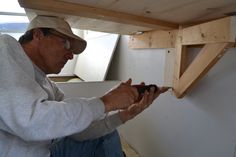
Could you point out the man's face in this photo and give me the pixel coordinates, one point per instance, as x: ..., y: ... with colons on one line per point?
x: 54, y: 53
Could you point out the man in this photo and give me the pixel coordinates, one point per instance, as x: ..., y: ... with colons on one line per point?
x: 34, y: 112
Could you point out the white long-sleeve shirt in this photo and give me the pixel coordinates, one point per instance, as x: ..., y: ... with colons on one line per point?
x: 32, y: 108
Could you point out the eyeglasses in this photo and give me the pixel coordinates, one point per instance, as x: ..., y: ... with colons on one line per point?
x: 65, y: 41
x: 67, y: 44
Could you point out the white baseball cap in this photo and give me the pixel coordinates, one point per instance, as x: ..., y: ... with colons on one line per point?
x: 60, y: 25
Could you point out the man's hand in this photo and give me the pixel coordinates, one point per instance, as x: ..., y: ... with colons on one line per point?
x: 121, y: 97
x: 138, y: 107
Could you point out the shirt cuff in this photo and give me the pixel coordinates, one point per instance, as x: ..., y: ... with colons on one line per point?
x: 113, y: 121
x: 97, y: 107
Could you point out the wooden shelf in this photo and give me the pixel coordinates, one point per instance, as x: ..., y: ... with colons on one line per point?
x: 129, y: 17
x: 94, y: 18
x: 216, y: 36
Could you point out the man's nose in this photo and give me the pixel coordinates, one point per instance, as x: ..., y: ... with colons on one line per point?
x: 69, y: 55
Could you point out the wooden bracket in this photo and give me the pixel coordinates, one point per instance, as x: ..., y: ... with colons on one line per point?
x: 216, y: 36
x: 203, y: 62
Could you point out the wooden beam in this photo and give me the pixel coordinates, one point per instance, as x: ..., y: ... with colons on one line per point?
x: 221, y: 30
x: 169, y: 67
x: 95, y: 13
x: 153, y: 39
x: 207, y: 57
x: 180, y: 58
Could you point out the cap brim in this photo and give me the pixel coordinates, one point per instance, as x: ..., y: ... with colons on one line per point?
x: 78, y: 44
x: 60, y: 25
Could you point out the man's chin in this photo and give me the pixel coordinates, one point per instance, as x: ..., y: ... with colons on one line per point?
x: 57, y: 71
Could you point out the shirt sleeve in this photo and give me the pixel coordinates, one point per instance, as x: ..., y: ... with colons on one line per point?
x: 97, y: 128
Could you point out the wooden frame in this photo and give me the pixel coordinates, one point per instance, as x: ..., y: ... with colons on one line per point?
x: 216, y: 36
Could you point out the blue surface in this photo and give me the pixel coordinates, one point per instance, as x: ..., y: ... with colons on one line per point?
x: 13, y: 27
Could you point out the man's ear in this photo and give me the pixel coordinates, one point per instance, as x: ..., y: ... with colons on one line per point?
x: 37, y: 34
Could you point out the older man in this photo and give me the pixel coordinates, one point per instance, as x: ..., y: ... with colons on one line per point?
x: 34, y: 112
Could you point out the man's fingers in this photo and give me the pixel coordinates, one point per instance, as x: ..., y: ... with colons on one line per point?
x: 129, y: 81
x: 146, y: 100
x: 142, y: 83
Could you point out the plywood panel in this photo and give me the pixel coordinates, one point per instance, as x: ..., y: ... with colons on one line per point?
x: 90, y: 12
x: 93, y: 63
x: 181, y: 11
x: 221, y: 30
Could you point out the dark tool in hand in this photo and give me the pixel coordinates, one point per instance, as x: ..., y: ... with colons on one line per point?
x: 142, y: 88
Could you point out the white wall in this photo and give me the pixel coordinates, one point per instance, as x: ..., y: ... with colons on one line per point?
x: 202, y: 124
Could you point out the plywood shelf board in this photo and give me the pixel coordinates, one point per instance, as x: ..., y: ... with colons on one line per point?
x: 90, y: 12
x: 146, y: 14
